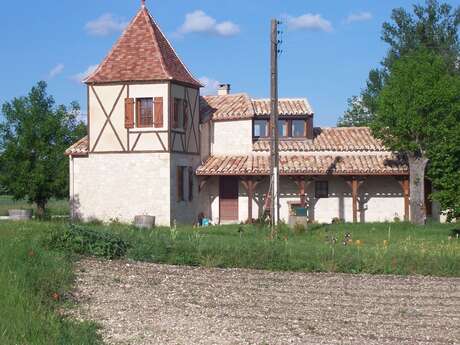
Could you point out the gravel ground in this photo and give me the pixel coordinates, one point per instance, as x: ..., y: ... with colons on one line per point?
x: 142, y: 303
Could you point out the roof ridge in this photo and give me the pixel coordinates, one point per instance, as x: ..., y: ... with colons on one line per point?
x: 150, y: 19
x: 142, y: 53
x: 172, y: 48
x: 281, y: 98
x: 343, y: 128
x: 229, y: 95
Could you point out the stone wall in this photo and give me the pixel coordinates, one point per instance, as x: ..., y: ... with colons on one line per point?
x: 184, y: 212
x: 120, y: 186
x: 231, y: 137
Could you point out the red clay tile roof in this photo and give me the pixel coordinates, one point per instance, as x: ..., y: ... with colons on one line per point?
x: 142, y: 53
x: 286, y: 107
x: 305, y: 165
x: 228, y: 107
x: 329, y: 139
x: 240, y: 106
x: 80, y: 148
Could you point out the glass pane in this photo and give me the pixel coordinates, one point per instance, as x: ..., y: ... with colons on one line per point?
x: 146, y: 112
x: 298, y: 128
x: 260, y: 128
x: 283, y: 128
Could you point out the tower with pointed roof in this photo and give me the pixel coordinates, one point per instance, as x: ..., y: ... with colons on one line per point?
x: 143, y: 115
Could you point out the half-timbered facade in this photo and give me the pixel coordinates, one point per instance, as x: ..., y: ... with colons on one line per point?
x: 156, y: 147
x: 143, y: 141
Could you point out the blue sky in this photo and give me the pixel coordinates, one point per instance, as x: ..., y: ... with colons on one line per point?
x: 329, y: 45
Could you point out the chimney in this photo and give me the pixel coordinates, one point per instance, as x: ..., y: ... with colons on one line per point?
x: 224, y: 89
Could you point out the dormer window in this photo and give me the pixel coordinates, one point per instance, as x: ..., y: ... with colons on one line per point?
x: 144, y: 107
x: 260, y: 129
x: 287, y: 128
x: 299, y: 128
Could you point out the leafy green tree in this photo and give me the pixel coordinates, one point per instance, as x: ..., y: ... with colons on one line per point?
x: 416, y: 111
x: 433, y: 26
x: 33, y: 137
x: 444, y: 166
x: 361, y: 109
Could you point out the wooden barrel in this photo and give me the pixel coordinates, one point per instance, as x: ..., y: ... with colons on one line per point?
x: 144, y: 222
x: 20, y: 214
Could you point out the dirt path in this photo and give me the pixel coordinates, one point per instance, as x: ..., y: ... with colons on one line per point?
x: 139, y: 303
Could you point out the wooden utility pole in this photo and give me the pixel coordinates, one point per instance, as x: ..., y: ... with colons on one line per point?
x: 274, y: 154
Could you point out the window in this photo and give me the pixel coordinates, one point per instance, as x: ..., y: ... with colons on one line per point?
x: 180, y: 183
x: 299, y: 128
x: 321, y: 189
x: 144, y: 107
x: 180, y: 118
x: 260, y: 128
x: 283, y: 128
x: 287, y: 128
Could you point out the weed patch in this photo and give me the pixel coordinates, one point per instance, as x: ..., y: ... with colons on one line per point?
x: 84, y: 240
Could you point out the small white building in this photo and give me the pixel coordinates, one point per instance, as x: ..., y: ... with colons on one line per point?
x: 155, y: 147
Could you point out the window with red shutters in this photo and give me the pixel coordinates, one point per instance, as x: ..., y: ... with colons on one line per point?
x: 144, y: 108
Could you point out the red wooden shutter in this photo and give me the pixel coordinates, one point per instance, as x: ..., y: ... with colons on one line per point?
x: 129, y: 112
x: 185, y: 110
x: 158, y: 112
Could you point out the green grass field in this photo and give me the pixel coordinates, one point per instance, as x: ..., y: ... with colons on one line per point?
x: 36, y: 260
x: 375, y: 248
x: 54, y: 207
x: 33, y: 286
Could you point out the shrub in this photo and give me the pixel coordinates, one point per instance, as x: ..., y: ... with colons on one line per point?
x: 337, y: 220
x: 85, y: 241
x: 299, y: 228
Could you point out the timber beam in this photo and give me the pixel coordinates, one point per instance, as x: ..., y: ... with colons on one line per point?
x: 302, y: 182
x: 405, y: 185
x: 250, y: 184
x: 355, y: 183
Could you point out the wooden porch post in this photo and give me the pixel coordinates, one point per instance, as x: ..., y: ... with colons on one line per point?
x: 354, y: 194
x: 354, y: 184
x: 302, y: 192
x: 303, y: 183
x: 405, y: 185
x: 250, y: 185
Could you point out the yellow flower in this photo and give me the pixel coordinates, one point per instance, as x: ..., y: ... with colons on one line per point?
x: 359, y: 243
x: 385, y: 243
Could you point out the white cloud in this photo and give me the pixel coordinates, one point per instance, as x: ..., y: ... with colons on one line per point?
x: 105, y: 25
x: 309, y: 21
x: 359, y: 17
x: 56, y: 70
x: 199, y: 22
x: 79, y: 77
x: 227, y: 29
x: 210, y: 86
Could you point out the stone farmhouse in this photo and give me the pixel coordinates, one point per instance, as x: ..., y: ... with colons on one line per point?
x: 156, y: 147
